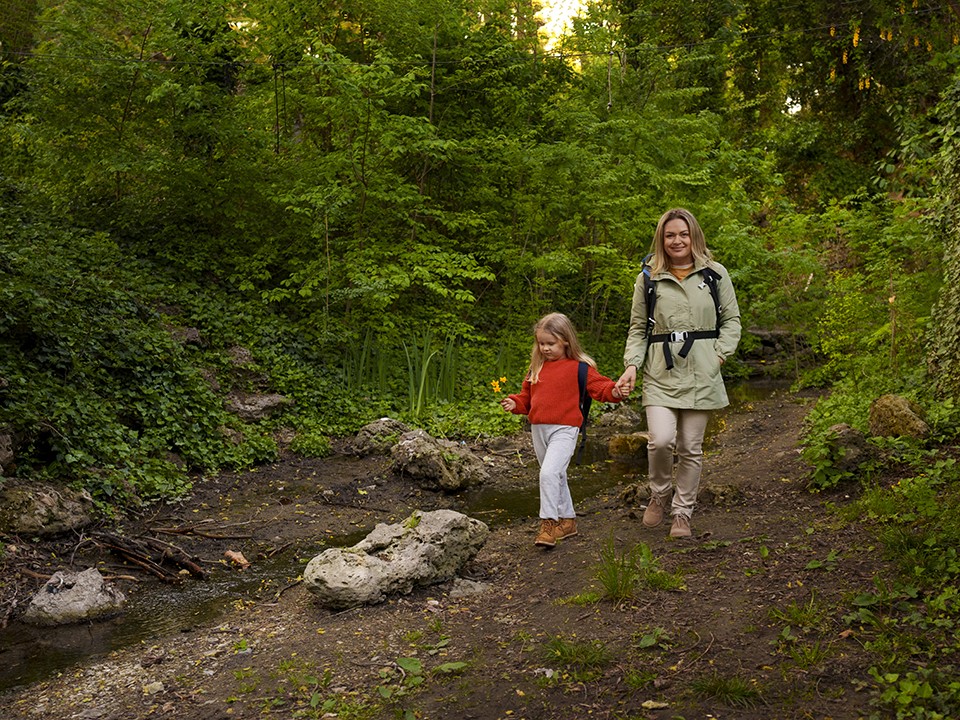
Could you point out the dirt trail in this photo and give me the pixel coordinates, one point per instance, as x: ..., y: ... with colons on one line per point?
x: 766, y: 554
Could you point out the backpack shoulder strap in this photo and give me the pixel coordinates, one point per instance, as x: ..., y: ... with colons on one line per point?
x: 585, y: 399
x: 712, y: 278
x: 585, y: 402
x: 650, y: 294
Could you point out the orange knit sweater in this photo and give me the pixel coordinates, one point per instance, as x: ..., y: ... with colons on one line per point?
x: 555, y: 398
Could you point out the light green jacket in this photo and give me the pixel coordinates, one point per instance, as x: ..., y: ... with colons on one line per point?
x: 695, y: 381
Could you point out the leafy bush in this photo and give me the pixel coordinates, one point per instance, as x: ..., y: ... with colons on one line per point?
x: 98, y: 389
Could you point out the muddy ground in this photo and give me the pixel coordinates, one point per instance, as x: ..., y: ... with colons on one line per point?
x: 756, y: 631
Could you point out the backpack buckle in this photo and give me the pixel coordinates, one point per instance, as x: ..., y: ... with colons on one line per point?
x: 680, y: 336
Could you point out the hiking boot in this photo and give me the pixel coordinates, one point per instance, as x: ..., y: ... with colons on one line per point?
x: 680, y: 527
x: 653, y: 515
x: 566, y: 527
x: 546, y: 536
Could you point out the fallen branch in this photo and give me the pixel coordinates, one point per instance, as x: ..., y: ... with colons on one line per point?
x: 35, y: 575
x: 278, y: 549
x: 286, y: 587
x: 198, y: 533
x: 139, y: 551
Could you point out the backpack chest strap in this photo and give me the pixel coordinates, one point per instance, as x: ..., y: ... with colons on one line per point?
x: 684, y: 336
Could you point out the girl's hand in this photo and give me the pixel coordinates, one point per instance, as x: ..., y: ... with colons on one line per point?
x: 508, y: 404
x: 616, y: 393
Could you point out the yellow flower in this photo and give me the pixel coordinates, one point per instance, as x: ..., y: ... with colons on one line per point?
x: 497, y: 385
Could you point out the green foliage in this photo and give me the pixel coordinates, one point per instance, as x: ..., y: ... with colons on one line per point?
x: 870, y: 313
x: 621, y: 575
x: 809, y: 616
x: 97, y: 386
x: 912, y: 624
x: 924, y: 694
x: 733, y: 691
x: 652, y: 638
x: 945, y: 334
x: 378, y: 200
x: 311, y: 444
x: 583, y: 660
x: 824, y: 458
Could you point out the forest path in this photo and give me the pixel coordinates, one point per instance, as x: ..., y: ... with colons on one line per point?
x: 757, y: 632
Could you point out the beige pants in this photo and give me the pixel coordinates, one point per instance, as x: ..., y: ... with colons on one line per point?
x: 681, y: 432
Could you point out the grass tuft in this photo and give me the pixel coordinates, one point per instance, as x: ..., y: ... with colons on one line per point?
x: 731, y: 691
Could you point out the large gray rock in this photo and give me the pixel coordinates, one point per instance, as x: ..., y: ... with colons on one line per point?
x: 850, y: 448
x: 256, y: 406
x: 426, y: 548
x: 623, y: 418
x: 70, y: 597
x: 437, y: 464
x: 38, y: 510
x: 895, y: 416
x: 378, y: 437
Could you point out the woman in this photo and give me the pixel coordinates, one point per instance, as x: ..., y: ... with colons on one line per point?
x: 694, y: 328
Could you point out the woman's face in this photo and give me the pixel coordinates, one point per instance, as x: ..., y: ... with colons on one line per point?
x: 676, y: 242
x: 551, y: 347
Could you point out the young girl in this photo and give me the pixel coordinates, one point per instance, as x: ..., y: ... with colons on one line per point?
x: 551, y: 398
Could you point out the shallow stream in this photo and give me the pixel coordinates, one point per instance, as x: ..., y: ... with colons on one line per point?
x: 29, y: 654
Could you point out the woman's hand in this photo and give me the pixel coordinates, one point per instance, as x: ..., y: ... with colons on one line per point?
x: 627, y: 381
x: 508, y: 404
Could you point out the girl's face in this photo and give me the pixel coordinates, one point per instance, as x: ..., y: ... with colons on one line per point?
x: 676, y: 242
x: 551, y: 346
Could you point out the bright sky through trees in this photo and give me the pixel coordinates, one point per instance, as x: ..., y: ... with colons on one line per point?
x: 556, y: 15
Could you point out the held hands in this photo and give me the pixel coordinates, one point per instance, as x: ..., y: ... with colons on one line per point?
x: 627, y: 381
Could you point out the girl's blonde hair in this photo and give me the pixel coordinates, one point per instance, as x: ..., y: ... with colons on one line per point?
x: 698, y: 243
x: 559, y: 325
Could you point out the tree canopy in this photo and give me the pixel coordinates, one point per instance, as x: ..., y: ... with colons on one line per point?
x: 361, y: 189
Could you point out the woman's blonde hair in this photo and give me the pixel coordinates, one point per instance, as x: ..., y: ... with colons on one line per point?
x: 698, y: 243
x: 559, y: 325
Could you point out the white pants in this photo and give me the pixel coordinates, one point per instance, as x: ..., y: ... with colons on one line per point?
x: 554, y: 445
x: 681, y: 431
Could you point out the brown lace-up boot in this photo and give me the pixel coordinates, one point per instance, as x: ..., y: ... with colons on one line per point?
x: 566, y: 527
x: 653, y: 515
x: 546, y: 537
x: 681, y: 527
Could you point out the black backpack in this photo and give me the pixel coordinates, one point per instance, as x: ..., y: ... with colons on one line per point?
x: 712, y: 278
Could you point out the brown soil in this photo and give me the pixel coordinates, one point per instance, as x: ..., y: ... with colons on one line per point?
x: 763, y: 548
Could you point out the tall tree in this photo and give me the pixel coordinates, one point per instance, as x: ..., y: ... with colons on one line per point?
x: 131, y: 120
x: 830, y: 84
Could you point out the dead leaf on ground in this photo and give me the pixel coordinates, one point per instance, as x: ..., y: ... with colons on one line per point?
x: 237, y: 559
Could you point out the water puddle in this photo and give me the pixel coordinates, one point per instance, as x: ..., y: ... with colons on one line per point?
x: 29, y: 654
